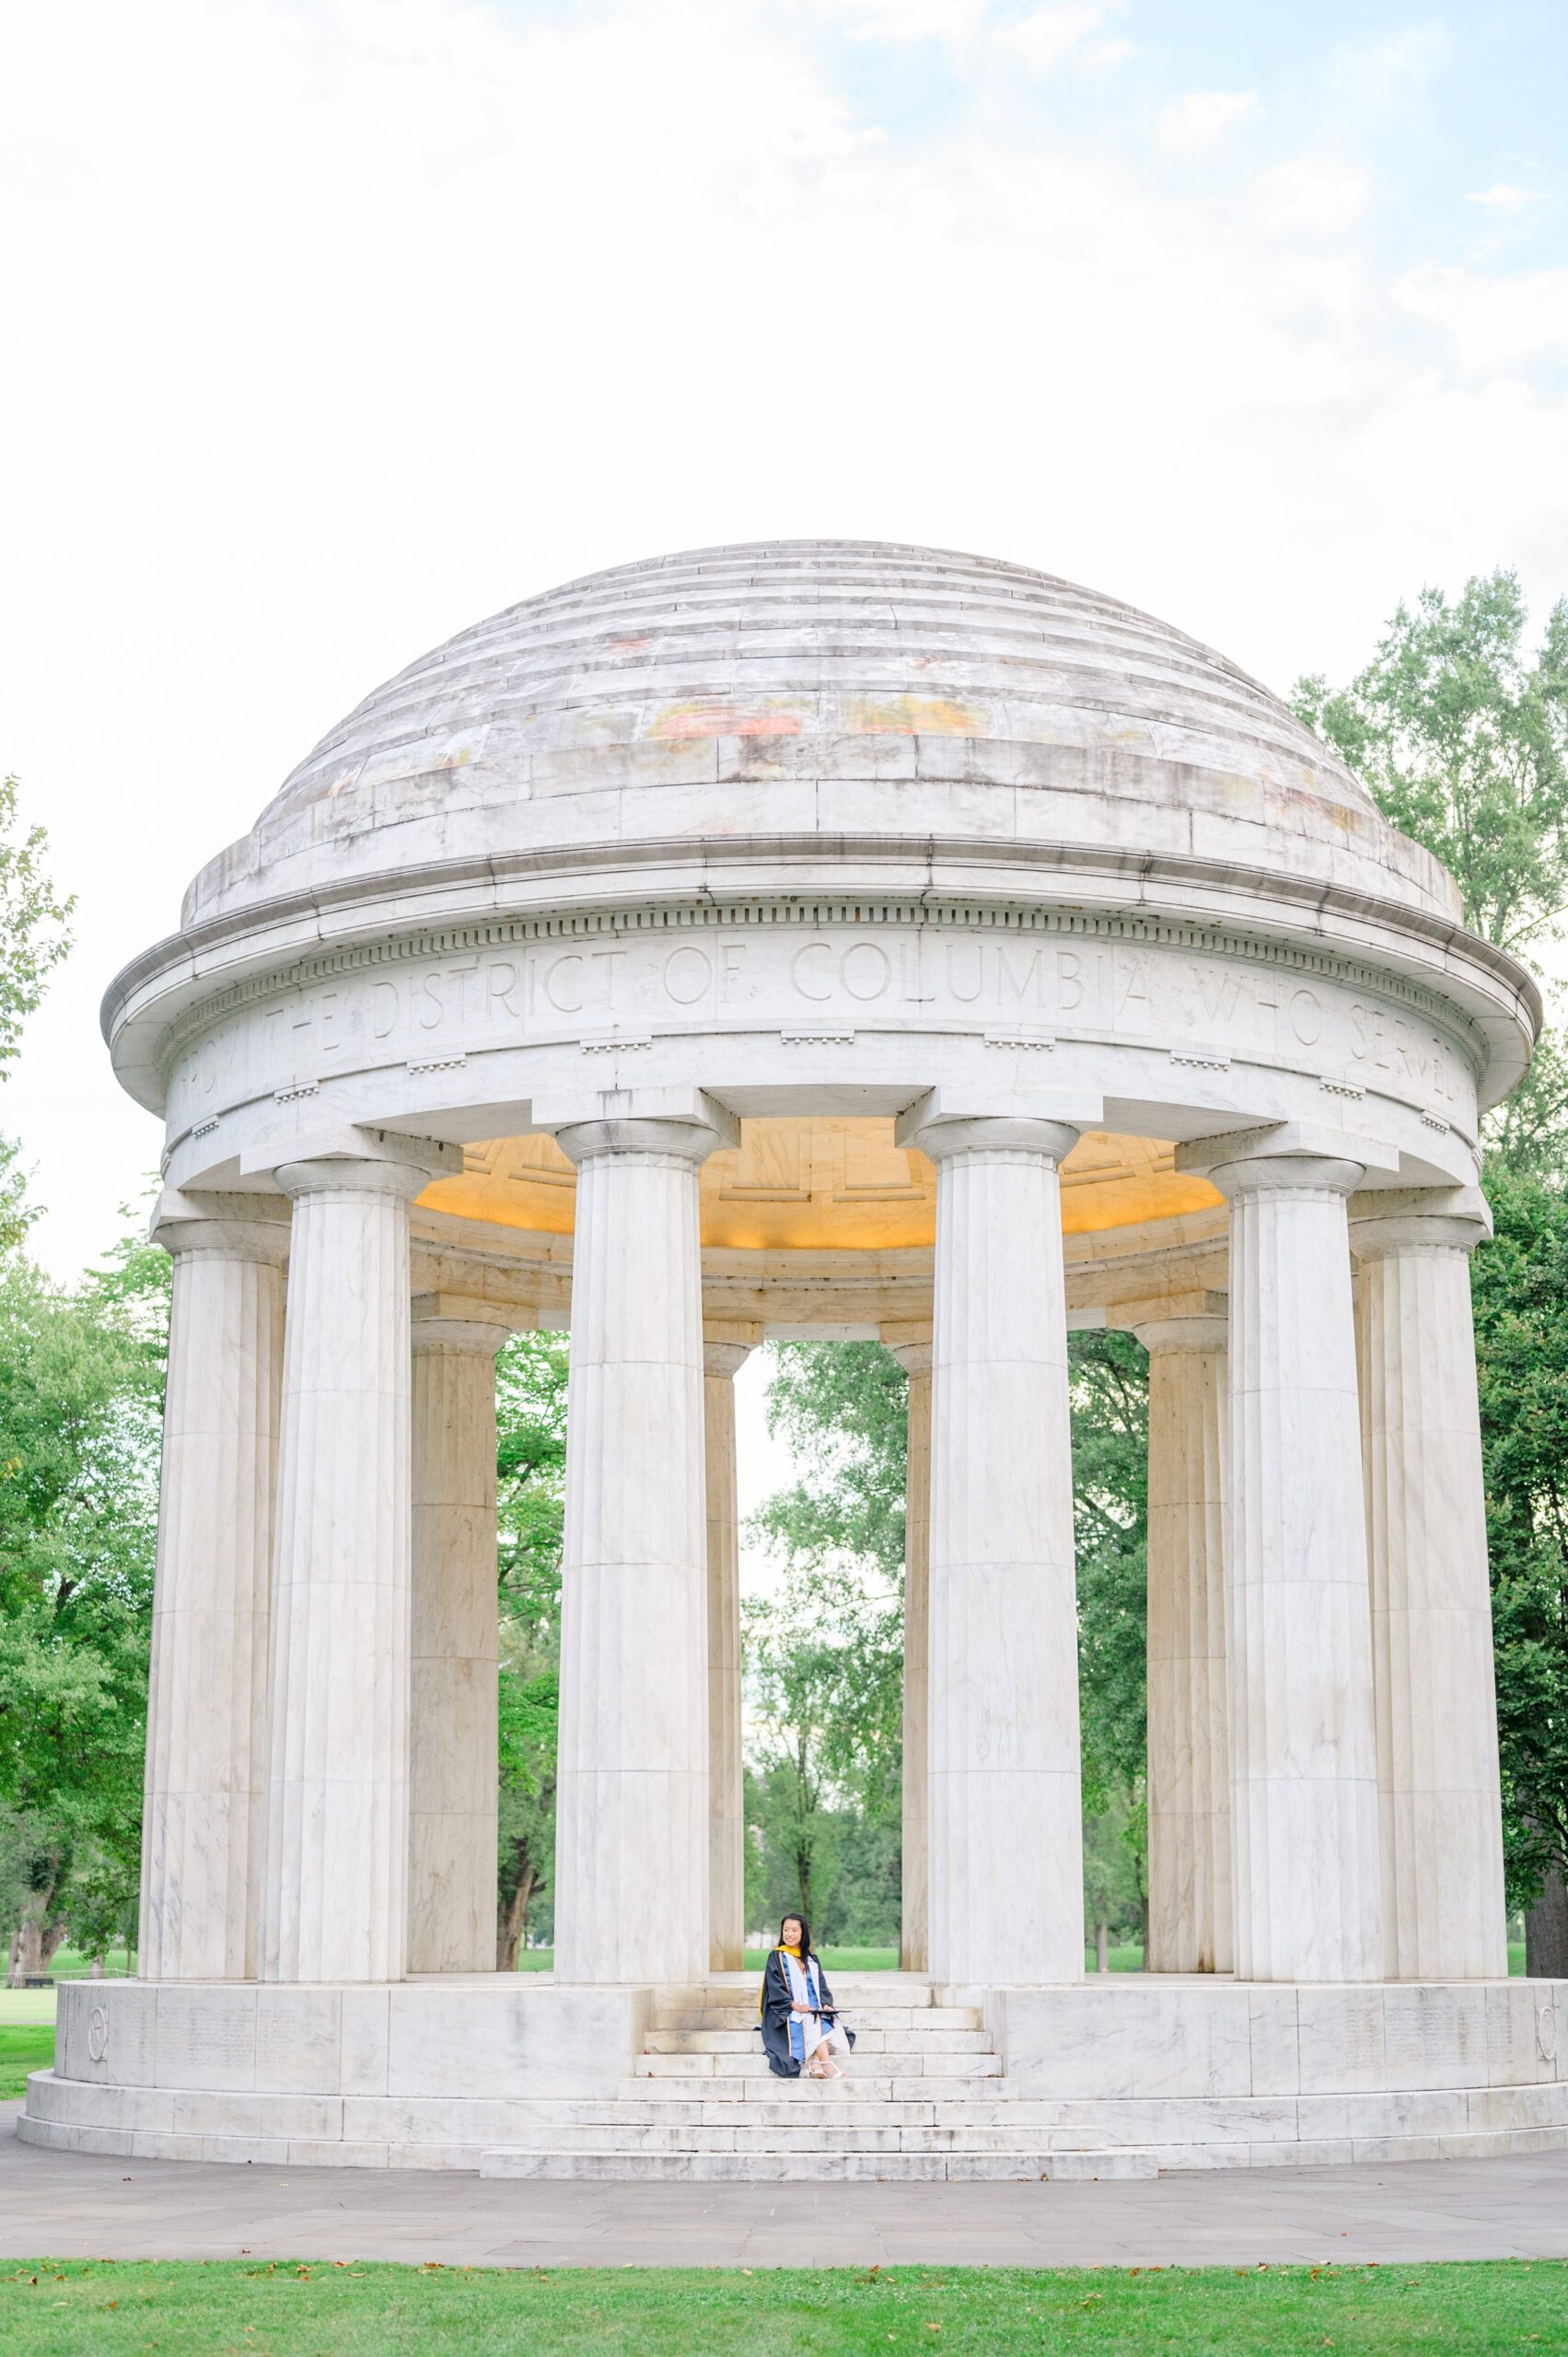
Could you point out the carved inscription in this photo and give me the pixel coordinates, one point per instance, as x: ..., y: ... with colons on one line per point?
x: 1201, y: 1008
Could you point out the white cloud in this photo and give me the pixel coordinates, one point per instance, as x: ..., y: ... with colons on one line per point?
x: 1372, y: 76
x: 1047, y: 35
x: 1323, y: 195
x: 1497, y: 321
x: 911, y: 20
x: 1503, y: 197
x: 1192, y: 123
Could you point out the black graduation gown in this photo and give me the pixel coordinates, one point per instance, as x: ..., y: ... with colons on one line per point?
x: 774, y: 2023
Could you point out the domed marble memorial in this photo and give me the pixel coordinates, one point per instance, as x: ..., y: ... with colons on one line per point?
x: 860, y: 940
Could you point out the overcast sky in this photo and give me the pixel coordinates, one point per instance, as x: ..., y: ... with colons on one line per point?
x: 331, y: 326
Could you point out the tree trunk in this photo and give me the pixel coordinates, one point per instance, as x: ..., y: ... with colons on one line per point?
x: 96, y: 1969
x: 510, y: 1921
x: 1546, y: 1931
x: 1102, y: 1946
x: 13, y: 1962
x: 36, y: 1941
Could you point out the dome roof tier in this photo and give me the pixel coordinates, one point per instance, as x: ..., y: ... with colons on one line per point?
x: 817, y: 687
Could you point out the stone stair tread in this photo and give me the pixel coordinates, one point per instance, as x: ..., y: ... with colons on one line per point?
x: 760, y: 2086
x: 867, y: 2041
x: 761, y: 2166
x: 739, y: 2062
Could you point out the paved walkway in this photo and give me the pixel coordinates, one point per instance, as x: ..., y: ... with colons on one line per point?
x: 78, y: 2206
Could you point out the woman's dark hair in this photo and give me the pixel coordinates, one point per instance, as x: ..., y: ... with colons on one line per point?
x: 794, y: 1915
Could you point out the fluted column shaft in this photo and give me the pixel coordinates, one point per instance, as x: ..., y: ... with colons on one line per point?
x: 1188, y: 1750
x: 1303, y: 1755
x: 915, y: 1916
x: 203, y: 1824
x: 335, y: 1905
x: 454, y: 1650
x: 1005, y: 1825
x: 727, y: 1842
x: 632, y: 1845
x: 1439, y: 1798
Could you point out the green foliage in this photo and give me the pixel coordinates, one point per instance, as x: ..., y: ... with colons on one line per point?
x: 530, y: 1418
x: 81, y: 1379
x: 843, y: 1409
x: 1520, y: 1293
x: 33, y: 935
x: 1462, y: 739
x: 826, y: 1655
x: 1115, y: 1841
x: 824, y: 1672
x: 1109, y: 1373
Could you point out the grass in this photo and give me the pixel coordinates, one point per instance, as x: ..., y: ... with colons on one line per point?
x: 839, y: 1960
x: 99, y: 2308
x: 24, y: 2047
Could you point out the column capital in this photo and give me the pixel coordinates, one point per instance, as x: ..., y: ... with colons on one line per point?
x: 1304, y: 1156
x: 1285, y: 1173
x: 1418, y: 1219
x: 395, y: 1165
x: 726, y: 1358
x: 1195, y: 1333
x: 679, y: 1124
x: 913, y: 1357
x: 438, y: 1331
x: 945, y: 1122
x: 238, y: 1227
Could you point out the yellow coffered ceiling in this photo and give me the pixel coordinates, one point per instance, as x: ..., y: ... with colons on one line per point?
x: 821, y: 1185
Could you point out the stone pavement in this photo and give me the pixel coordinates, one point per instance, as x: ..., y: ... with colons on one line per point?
x: 71, y: 2205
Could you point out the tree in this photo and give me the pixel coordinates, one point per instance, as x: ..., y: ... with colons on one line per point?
x: 1109, y: 1390
x: 80, y: 1400
x: 34, y: 920
x: 843, y: 1408
x: 530, y: 1416
x: 1462, y: 739
x: 827, y: 1654
x: 1520, y: 1291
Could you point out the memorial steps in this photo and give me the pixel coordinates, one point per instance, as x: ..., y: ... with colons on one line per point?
x: 923, y: 2096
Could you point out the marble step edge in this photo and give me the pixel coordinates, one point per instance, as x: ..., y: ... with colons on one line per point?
x: 751, y: 2167
x: 884, y: 2019
x: 760, y: 2086
x: 1038, y: 2143
x: 867, y: 2041
x: 754, y: 2065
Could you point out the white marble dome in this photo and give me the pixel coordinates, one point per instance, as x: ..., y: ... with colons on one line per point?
x: 811, y: 689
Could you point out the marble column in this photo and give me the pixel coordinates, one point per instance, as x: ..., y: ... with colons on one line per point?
x: 1005, y: 1825
x: 454, y: 1648
x: 721, y: 1361
x: 914, y: 1934
x: 336, y: 1889
x: 631, y: 1841
x: 1439, y: 1801
x: 207, y: 1757
x: 1189, y: 1750
x: 1303, y: 1751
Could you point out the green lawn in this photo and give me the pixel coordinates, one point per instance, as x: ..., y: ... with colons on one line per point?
x: 24, y: 2047
x: 82, y: 2308
x: 835, y: 1959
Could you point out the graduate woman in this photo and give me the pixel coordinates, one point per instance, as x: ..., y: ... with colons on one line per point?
x: 800, y: 2023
